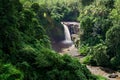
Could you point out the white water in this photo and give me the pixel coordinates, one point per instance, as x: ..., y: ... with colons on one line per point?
x: 68, y: 42
x: 67, y: 33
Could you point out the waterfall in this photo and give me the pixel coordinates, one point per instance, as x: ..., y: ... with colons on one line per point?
x: 67, y: 40
x: 67, y: 33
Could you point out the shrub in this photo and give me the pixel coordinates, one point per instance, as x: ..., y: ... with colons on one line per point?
x: 100, y: 55
x: 9, y: 72
x: 115, y: 62
x: 113, y: 39
x: 87, y: 25
x: 85, y: 49
x: 27, y: 53
x: 57, y: 67
x: 89, y: 60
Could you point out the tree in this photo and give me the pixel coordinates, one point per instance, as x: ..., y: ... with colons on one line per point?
x: 113, y: 39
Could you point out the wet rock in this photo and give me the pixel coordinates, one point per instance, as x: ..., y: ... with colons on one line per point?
x: 113, y: 75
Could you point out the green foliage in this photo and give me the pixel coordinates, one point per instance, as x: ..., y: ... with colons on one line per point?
x: 100, y: 31
x: 48, y: 63
x: 108, y: 54
x: 113, y: 39
x: 9, y: 34
x: 64, y: 12
x: 47, y: 58
x: 85, y: 49
x: 89, y: 60
x: 113, y: 43
x: 115, y: 62
x: 101, y: 78
x: 86, y: 2
x: 114, y: 15
x: 94, y: 23
x: 26, y: 48
x: 100, y: 55
x: 9, y: 72
x: 87, y: 24
x: 25, y: 45
x: 61, y: 67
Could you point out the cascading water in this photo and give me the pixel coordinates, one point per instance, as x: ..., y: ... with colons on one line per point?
x: 67, y: 33
x: 67, y: 40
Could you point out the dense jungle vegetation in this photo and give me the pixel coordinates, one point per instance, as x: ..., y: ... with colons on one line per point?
x: 100, y: 38
x: 27, y: 28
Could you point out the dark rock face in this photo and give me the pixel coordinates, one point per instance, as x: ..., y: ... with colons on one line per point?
x: 57, y: 34
x: 113, y: 76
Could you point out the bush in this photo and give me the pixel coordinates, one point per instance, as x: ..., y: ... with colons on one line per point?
x: 100, y: 55
x: 115, y: 62
x: 57, y: 67
x: 113, y: 39
x: 87, y: 25
x: 85, y: 49
x: 9, y: 72
x: 89, y: 59
x: 27, y: 53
